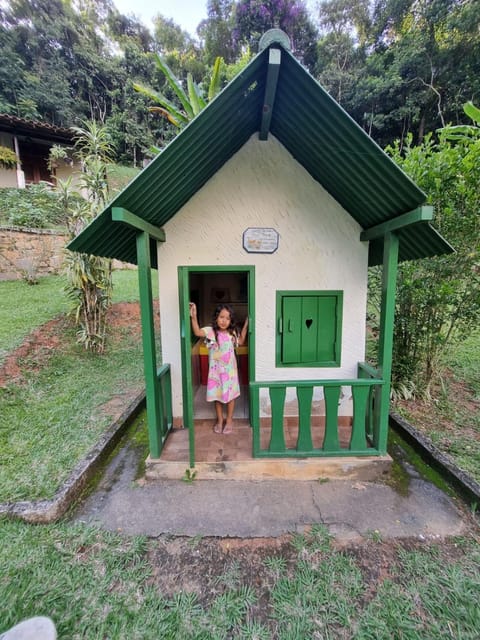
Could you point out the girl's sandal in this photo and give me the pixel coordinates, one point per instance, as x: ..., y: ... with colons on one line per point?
x: 217, y: 428
x: 228, y: 428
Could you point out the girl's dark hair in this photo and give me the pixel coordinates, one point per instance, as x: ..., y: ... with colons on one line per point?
x: 232, y: 329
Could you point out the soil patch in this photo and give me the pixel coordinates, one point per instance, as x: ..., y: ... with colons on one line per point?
x: 57, y: 335
x: 210, y: 566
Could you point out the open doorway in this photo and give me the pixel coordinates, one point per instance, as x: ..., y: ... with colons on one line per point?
x: 208, y: 289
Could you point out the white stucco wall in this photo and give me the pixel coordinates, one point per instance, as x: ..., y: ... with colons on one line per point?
x: 319, y: 249
x: 8, y: 178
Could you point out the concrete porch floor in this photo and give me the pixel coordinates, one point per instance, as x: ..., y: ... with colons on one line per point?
x: 229, y: 457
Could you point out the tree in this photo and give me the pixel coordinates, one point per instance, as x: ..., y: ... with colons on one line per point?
x: 438, y: 299
x: 252, y: 18
x: 89, y: 278
x: 192, y: 101
x: 426, y: 63
x: 216, y: 32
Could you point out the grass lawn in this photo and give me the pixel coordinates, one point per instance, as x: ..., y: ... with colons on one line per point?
x: 52, y: 419
x: 97, y: 584
x: 24, y: 307
x: 451, y: 418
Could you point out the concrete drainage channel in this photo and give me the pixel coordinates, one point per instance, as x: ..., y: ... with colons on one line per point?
x: 48, y: 511
x: 467, y: 488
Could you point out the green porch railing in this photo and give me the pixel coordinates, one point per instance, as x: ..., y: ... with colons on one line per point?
x: 364, y: 389
x: 166, y: 413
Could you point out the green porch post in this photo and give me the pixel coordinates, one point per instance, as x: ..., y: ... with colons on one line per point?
x: 144, y: 231
x: 385, y: 346
x: 154, y: 415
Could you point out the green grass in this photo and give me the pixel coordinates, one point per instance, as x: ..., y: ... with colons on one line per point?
x: 451, y: 418
x: 48, y: 423
x: 125, y: 285
x: 96, y: 584
x: 462, y: 441
x: 25, y: 307
x: 464, y: 359
x: 119, y: 176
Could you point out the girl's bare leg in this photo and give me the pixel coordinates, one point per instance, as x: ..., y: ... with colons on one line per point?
x: 229, y: 421
x: 219, y: 411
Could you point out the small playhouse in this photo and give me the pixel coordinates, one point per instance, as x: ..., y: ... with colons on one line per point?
x: 272, y: 199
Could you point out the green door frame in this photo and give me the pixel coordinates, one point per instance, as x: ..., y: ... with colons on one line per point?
x: 186, y: 335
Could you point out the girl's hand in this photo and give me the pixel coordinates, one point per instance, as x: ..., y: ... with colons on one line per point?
x: 193, y: 310
x: 243, y: 333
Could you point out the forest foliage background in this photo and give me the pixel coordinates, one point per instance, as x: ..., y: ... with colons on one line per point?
x: 398, y: 67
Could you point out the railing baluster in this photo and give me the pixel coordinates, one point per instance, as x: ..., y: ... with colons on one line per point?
x: 370, y: 412
x: 165, y: 400
x: 304, y: 440
x: 277, y: 436
x: 360, y: 395
x: 331, y: 441
x: 254, y: 394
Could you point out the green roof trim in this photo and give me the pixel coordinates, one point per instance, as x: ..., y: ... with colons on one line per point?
x: 131, y: 220
x: 306, y: 120
x: 421, y: 214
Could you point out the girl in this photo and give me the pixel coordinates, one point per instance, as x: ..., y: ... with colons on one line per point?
x: 221, y: 339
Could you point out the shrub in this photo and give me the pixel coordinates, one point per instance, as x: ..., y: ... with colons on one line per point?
x: 36, y: 207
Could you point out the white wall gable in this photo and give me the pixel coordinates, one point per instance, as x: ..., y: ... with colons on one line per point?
x: 319, y: 248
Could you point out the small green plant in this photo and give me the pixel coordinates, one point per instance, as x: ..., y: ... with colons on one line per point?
x: 195, y: 541
x: 253, y: 631
x: 89, y: 278
x: 8, y: 158
x: 232, y: 576
x: 374, y: 535
x: 57, y: 154
x: 189, y: 476
x: 276, y: 565
x: 30, y: 275
x: 229, y: 610
x: 318, y: 538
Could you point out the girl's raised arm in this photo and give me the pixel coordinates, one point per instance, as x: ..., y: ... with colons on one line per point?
x: 243, y: 333
x: 193, y: 315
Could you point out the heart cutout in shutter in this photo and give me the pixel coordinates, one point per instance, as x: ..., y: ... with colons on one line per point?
x: 309, y: 322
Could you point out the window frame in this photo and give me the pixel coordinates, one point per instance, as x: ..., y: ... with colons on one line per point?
x: 280, y: 295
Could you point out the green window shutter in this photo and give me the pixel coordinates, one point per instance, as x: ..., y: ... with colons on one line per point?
x: 309, y: 328
x: 291, y: 320
x: 327, y: 328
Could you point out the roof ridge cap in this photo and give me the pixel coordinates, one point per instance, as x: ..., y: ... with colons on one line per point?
x: 274, y: 36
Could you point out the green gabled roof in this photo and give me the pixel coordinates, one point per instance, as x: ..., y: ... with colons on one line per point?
x: 318, y: 133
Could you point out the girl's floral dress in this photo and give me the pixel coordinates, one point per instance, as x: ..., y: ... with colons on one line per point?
x: 222, y: 384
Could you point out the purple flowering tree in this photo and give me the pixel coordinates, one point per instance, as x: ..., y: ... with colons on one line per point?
x: 252, y: 18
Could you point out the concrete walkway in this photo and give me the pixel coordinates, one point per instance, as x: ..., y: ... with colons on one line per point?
x: 350, y: 509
